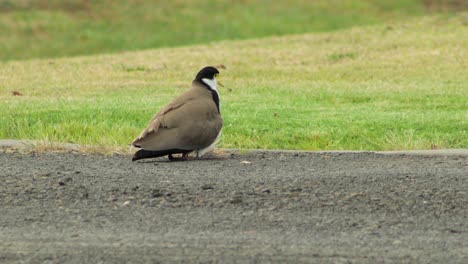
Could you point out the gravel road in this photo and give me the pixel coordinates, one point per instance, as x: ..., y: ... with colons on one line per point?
x: 234, y: 208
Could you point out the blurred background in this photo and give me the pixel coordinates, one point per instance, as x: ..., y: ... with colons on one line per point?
x: 53, y: 28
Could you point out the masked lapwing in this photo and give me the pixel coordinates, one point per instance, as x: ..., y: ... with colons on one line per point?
x: 190, y: 123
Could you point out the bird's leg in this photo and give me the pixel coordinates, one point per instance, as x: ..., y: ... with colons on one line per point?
x: 182, y: 158
x: 171, y: 158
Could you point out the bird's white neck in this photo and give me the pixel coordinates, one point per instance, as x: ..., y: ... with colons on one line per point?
x: 211, y: 83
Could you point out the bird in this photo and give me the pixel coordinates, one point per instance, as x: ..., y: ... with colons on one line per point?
x: 191, y: 122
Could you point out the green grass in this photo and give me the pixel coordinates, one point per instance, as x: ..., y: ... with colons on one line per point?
x: 55, y: 28
x: 401, y: 85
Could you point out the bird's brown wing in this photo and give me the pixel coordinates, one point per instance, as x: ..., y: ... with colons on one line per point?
x: 155, y: 123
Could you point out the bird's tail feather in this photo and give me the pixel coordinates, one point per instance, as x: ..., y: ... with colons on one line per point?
x: 145, y: 154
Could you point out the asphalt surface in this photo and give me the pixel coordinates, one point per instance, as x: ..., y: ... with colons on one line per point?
x: 234, y: 208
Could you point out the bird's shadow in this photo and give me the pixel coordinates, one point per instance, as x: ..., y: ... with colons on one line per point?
x: 189, y: 159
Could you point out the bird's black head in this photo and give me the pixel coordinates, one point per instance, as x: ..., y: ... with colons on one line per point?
x: 208, y: 72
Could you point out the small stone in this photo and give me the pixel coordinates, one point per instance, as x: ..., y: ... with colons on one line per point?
x: 248, y: 213
x: 236, y: 200
x: 68, y: 179
x: 207, y: 187
x: 156, y: 193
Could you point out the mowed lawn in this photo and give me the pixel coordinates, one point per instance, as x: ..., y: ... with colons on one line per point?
x: 401, y: 85
x: 57, y: 28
